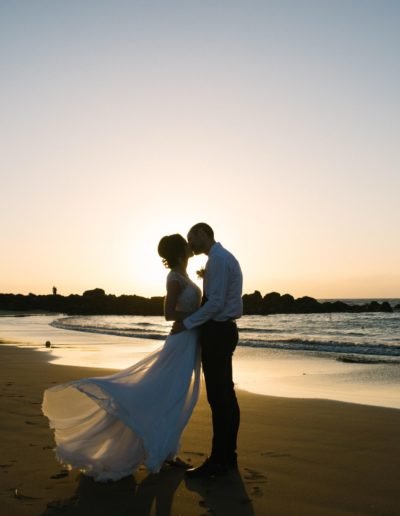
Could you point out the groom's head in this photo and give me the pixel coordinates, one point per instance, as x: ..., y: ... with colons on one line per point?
x: 201, y: 238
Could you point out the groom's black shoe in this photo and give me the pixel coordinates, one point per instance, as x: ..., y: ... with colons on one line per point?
x: 209, y: 468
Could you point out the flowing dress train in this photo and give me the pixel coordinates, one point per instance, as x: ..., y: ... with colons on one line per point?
x: 108, y: 426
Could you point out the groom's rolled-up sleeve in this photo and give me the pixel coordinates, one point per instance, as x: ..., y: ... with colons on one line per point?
x: 217, y: 282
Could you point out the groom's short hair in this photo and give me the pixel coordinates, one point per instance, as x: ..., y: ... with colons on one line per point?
x: 203, y: 227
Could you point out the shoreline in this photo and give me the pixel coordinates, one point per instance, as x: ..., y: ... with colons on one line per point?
x: 296, y: 457
x: 290, y: 374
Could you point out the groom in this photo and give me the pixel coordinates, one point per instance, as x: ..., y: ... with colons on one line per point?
x: 222, y: 304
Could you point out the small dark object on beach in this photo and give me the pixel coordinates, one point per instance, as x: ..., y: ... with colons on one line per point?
x: 48, y: 344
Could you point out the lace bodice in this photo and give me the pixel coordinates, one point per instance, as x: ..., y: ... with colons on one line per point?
x: 190, y: 298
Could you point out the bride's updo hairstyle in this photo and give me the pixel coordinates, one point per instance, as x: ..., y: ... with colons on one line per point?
x: 172, y: 248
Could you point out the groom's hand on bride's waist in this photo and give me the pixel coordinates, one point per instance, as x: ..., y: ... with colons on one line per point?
x: 177, y: 327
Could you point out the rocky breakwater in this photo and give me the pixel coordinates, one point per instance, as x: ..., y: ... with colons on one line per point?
x: 275, y: 303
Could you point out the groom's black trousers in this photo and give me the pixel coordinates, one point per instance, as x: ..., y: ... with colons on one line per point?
x: 218, y: 341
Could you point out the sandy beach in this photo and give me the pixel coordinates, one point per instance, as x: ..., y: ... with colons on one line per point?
x: 296, y: 457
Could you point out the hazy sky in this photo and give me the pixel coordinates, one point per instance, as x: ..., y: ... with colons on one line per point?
x: 277, y: 122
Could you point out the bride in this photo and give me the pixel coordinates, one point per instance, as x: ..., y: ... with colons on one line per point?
x: 108, y: 426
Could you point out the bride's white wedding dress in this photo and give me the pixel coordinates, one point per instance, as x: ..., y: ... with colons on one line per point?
x: 108, y: 426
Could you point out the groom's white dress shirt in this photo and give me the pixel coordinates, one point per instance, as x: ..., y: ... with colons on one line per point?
x: 223, y: 283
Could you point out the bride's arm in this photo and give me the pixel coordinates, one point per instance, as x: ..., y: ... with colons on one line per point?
x: 170, y: 302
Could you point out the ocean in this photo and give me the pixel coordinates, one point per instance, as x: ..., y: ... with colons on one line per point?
x: 352, y: 357
x: 362, y: 337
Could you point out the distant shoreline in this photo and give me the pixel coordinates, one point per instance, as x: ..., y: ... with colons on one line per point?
x: 97, y: 302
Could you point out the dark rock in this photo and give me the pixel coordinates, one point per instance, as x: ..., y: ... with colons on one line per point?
x: 252, y: 303
x: 271, y: 298
x: 287, y: 298
x: 271, y: 303
x: 274, y: 303
x: 373, y: 306
x: 96, y: 292
x: 340, y: 306
x: 306, y: 305
x: 386, y: 307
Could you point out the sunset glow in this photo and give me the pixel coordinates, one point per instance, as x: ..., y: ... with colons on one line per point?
x: 276, y: 122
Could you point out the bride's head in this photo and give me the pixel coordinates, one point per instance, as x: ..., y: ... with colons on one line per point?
x: 174, y: 251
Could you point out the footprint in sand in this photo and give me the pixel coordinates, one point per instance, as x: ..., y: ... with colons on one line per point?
x: 256, y: 491
x: 63, y: 473
x: 201, y: 454
x: 4, y: 466
x: 20, y: 496
x: 275, y: 454
x: 252, y: 475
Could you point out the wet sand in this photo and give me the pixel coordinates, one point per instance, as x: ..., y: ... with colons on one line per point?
x: 296, y: 457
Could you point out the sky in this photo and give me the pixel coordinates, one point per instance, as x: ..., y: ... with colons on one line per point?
x: 276, y: 122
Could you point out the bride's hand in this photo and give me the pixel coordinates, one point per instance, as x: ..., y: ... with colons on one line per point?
x: 177, y: 327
